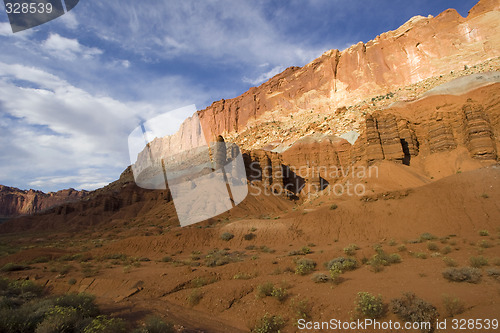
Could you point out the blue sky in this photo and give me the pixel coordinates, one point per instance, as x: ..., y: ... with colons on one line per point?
x: 71, y: 90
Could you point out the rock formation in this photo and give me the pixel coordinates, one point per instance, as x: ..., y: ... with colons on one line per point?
x: 14, y: 202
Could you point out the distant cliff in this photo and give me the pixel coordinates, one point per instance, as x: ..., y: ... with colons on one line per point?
x: 15, y: 202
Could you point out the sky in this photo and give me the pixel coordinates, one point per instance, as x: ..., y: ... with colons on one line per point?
x: 73, y: 89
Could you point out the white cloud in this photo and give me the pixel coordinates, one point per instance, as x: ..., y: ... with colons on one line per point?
x: 68, y: 49
x: 231, y: 31
x: 69, y: 20
x: 53, y: 133
x: 264, y: 76
x: 5, y: 29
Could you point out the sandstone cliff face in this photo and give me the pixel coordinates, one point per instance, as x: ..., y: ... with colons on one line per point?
x: 421, y: 48
x: 14, y: 202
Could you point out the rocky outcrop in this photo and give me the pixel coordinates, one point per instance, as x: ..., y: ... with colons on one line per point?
x: 421, y: 48
x: 14, y: 202
x: 478, y: 132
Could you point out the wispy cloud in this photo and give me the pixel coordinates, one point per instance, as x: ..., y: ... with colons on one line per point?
x: 67, y: 48
x: 264, y: 76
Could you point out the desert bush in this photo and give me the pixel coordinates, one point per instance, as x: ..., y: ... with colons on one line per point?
x: 420, y: 255
x: 392, y: 242
x: 72, y: 281
x: 59, y: 319
x: 166, y: 259
x: 302, y: 251
x: 484, y: 233
x: 369, y: 306
x: 104, y: 324
x: 227, y: 236
x: 265, y: 289
x: 381, y: 259
x: 301, y: 309
x: 333, y: 206
x: 40, y: 260
x: 269, y: 324
x: 249, y: 236
x: 494, y: 273
x: 243, y: 276
x: 410, y: 308
x: 450, y: 262
x: 464, y: 274
x: 431, y: 246
x: 201, y: 281
x: 402, y: 248
x: 82, y: 302
x: 453, y: 306
x: 478, y: 262
x: 427, y: 237
x: 155, y: 324
x: 304, y: 266
x: 446, y: 250
x: 320, y: 278
x: 88, y: 269
x: 218, y: 257
x: 194, y: 297
x: 351, y: 249
x: 484, y: 244
x: 280, y: 294
x: 342, y: 263
x: 266, y: 249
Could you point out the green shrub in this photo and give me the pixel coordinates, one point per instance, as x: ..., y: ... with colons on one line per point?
x: 249, y: 236
x: 218, y: 257
x: 446, y: 250
x: 431, y: 246
x: 269, y: 324
x: 342, y: 263
x: 381, y: 259
x: 154, y: 324
x: 72, y: 282
x: 484, y: 244
x: 464, y: 274
x: 304, y: 266
x: 351, y: 249
x: 494, y: 273
x: 402, y: 248
x: 484, y: 233
x: 227, y: 236
x: 320, y: 278
x: 243, y: 276
x: 104, y: 324
x: 302, y: 251
x: 478, y: 262
x: 410, y: 308
x: 194, y: 297
x: 280, y: 294
x: 369, y: 306
x: 166, y: 259
x: 59, y: 319
x: 420, y: 255
x: 333, y: 206
x: 427, y: 237
x: 301, y: 308
x: 450, y: 262
x: 265, y: 289
x: 83, y: 303
x: 453, y: 306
